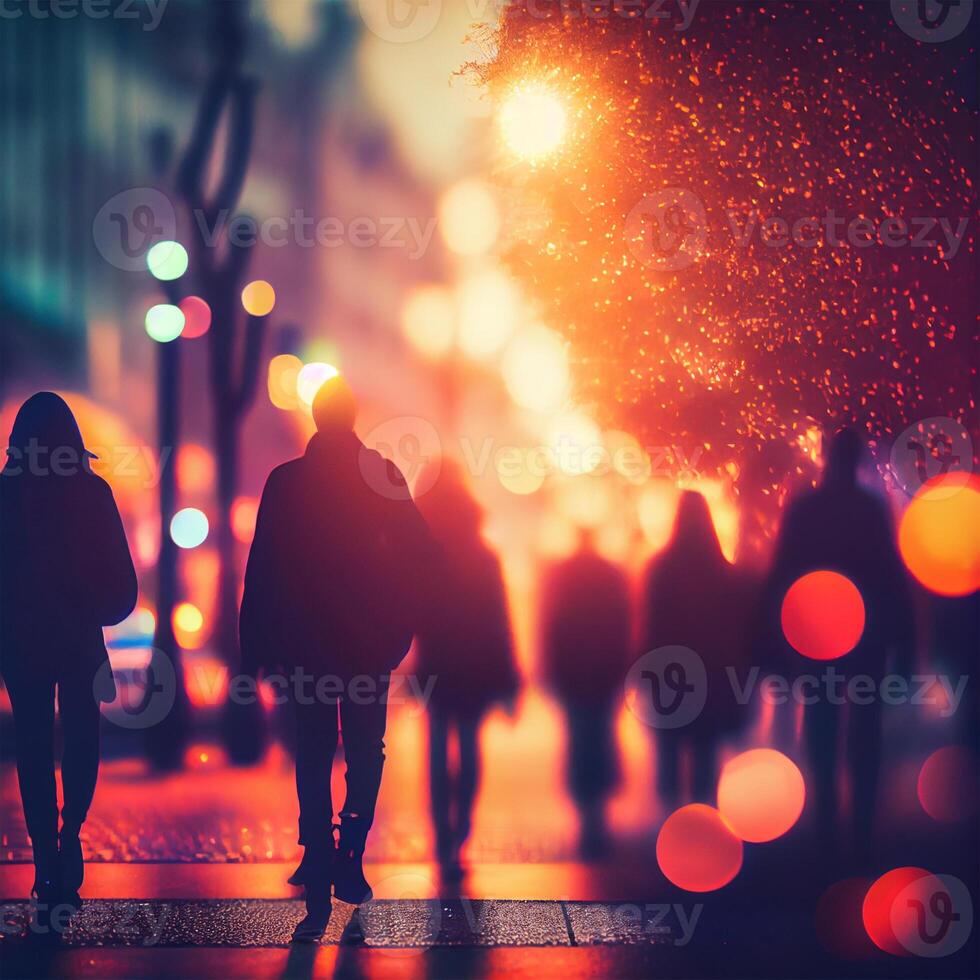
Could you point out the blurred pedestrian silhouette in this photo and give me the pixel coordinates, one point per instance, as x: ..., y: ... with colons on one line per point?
x: 330, y: 594
x: 843, y: 527
x: 66, y: 573
x: 695, y: 598
x: 586, y: 639
x: 464, y: 650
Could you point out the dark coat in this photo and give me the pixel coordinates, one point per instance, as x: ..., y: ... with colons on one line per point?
x: 586, y: 629
x: 465, y: 640
x: 845, y: 528
x: 334, y: 572
x: 65, y: 571
x: 707, y: 605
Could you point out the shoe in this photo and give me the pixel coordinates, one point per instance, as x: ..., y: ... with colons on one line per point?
x: 318, y: 878
x: 313, y: 925
x: 47, y: 893
x: 72, y: 863
x: 302, y: 872
x: 349, y: 883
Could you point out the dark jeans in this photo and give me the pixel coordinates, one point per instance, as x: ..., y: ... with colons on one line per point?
x: 452, y: 795
x: 362, y: 721
x: 32, y: 700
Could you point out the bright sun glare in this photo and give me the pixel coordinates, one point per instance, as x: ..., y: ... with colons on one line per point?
x: 532, y: 121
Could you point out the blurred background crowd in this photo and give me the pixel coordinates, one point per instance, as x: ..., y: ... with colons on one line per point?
x: 575, y: 543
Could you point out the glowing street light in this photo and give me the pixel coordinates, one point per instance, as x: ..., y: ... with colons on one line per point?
x: 429, y: 320
x: 284, y: 372
x: 167, y: 260
x: 258, y: 298
x: 532, y: 121
x: 468, y: 218
x: 310, y: 377
x: 164, y: 322
x: 189, y: 527
x: 197, y: 315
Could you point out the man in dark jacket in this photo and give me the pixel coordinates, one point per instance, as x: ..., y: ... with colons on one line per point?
x: 330, y: 595
x: 842, y: 527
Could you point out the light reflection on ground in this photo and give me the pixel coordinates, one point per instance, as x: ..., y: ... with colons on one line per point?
x: 214, y: 812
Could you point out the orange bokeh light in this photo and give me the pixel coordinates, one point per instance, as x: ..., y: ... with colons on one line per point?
x: 948, y: 784
x: 188, y: 622
x: 823, y: 615
x: 697, y: 850
x: 195, y: 469
x: 243, y: 514
x: 876, y: 911
x: 258, y: 298
x: 761, y: 794
x: 939, y: 535
x: 206, y: 682
x: 282, y: 379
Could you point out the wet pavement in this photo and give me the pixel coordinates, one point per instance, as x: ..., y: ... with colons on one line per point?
x: 216, y: 813
x: 406, y: 923
x: 186, y: 876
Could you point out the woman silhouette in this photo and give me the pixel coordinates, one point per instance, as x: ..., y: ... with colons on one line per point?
x: 464, y: 644
x: 693, y: 597
x: 66, y: 572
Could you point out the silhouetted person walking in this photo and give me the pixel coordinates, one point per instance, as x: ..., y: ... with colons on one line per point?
x: 329, y: 594
x: 66, y: 573
x: 842, y: 527
x: 586, y: 638
x: 464, y: 650
x: 695, y: 598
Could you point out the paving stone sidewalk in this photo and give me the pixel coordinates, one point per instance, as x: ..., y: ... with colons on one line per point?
x: 409, y: 923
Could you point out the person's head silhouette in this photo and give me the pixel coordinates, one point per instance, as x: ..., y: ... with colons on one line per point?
x: 45, y: 425
x: 694, y: 529
x: 844, y: 458
x: 449, y: 507
x: 334, y: 407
